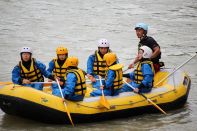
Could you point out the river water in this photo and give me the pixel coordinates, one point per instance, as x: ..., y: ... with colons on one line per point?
x: 78, y: 24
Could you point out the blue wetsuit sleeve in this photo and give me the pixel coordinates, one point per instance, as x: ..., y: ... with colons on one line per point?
x: 110, y: 79
x: 132, y: 76
x: 43, y: 70
x: 51, y: 66
x: 16, y: 77
x: 69, y: 86
x: 148, y: 75
x: 90, y: 65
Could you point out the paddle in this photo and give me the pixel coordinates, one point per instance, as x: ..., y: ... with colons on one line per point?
x: 67, y: 111
x: 125, y: 70
x: 47, y: 83
x: 43, y: 82
x: 96, y: 80
x: 5, y: 83
x: 56, y: 82
x: 128, y: 69
x: 103, y: 100
x: 176, y: 69
x: 133, y: 65
x: 146, y: 98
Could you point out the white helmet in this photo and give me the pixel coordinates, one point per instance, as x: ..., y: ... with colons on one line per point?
x: 26, y: 49
x: 147, y: 51
x: 103, y: 43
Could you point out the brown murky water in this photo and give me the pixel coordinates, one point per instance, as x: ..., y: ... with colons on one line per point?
x: 78, y: 24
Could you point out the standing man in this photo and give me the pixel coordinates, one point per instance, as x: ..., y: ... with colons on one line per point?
x: 30, y: 70
x: 141, y: 32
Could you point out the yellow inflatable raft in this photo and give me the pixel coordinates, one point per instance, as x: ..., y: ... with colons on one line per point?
x: 41, y: 105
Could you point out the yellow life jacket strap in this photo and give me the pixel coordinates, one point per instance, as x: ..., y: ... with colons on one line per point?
x: 80, y: 82
x: 37, y: 72
x: 150, y: 64
x: 138, y: 72
x: 99, y: 65
x: 35, y: 69
x: 118, y: 81
x: 22, y: 71
x: 58, y: 70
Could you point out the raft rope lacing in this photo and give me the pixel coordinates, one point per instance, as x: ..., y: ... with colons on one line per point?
x: 160, y: 95
x: 131, y: 103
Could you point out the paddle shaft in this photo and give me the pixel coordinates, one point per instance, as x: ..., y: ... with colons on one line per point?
x: 153, y: 103
x: 96, y: 79
x: 101, y: 84
x: 68, y: 113
x: 128, y: 69
x: 125, y: 70
x: 5, y: 83
x: 100, y: 80
x: 9, y: 82
x: 43, y: 82
x: 55, y: 82
x: 175, y: 70
x: 104, y: 102
x: 146, y: 98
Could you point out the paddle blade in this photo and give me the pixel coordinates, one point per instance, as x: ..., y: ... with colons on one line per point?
x: 47, y: 84
x: 103, y: 101
x: 5, y: 83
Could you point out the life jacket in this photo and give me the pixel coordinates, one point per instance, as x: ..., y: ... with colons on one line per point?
x: 33, y: 74
x: 99, y: 66
x: 138, y: 71
x: 59, y: 71
x: 118, y: 81
x: 80, y: 87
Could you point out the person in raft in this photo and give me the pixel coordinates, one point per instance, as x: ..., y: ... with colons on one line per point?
x: 141, y: 32
x: 57, y: 66
x: 113, y: 78
x: 143, y: 75
x: 30, y: 70
x: 74, y: 87
x: 96, y: 64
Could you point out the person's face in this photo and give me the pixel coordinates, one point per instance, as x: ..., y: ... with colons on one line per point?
x: 139, y: 33
x: 140, y: 54
x: 62, y: 57
x: 26, y: 56
x: 103, y: 50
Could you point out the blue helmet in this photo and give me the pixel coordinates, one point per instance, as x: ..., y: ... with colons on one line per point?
x: 141, y: 26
